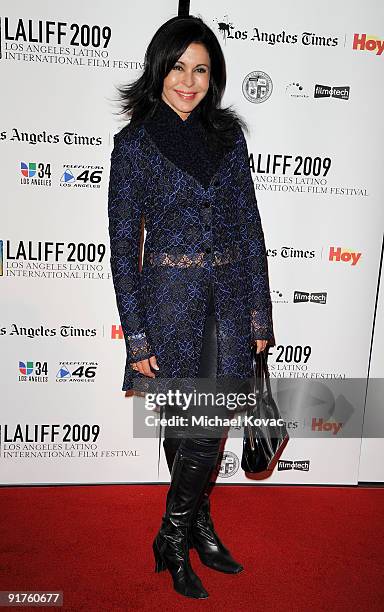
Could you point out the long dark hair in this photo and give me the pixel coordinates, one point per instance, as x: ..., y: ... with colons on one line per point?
x: 138, y: 100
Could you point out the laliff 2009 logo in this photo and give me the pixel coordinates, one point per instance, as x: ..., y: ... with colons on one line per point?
x: 257, y: 86
x: 47, y: 260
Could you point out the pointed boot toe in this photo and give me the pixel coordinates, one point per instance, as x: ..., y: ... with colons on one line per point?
x: 208, y: 545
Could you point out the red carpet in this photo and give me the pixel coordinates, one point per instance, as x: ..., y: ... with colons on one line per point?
x: 304, y: 548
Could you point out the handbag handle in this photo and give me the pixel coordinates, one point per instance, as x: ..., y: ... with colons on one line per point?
x: 264, y: 357
x: 258, y: 381
x: 257, y: 373
x: 261, y: 372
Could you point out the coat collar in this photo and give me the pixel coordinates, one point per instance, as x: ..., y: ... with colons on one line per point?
x: 166, y: 115
x: 215, y: 181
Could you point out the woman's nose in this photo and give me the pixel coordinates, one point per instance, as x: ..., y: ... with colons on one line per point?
x: 188, y: 79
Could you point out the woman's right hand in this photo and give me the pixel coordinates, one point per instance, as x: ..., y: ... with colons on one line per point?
x: 144, y: 366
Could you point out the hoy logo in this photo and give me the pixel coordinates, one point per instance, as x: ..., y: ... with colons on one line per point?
x: 117, y: 332
x: 329, y: 426
x: 339, y: 254
x: 371, y: 43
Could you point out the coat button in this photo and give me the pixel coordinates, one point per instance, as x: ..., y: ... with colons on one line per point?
x: 216, y: 183
x: 207, y: 228
x: 208, y: 250
x: 206, y: 204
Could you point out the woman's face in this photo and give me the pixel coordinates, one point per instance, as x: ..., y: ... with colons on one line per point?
x: 188, y: 81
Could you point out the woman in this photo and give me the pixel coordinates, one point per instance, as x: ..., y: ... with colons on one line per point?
x: 202, y: 296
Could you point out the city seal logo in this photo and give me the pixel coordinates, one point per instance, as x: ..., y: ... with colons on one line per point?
x: 257, y: 87
x: 229, y: 464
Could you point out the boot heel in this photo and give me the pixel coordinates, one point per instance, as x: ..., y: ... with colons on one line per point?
x: 170, y: 547
x: 159, y: 561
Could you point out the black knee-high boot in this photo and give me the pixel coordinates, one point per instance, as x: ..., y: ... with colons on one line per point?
x: 188, y: 480
x: 203, y: 536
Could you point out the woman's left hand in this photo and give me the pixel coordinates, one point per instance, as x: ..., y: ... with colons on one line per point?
x: 260, y: 345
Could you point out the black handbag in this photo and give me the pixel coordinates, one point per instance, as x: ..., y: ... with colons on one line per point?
x: 265, y: 434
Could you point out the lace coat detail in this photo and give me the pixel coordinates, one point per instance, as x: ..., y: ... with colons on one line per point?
x: 195, y: 235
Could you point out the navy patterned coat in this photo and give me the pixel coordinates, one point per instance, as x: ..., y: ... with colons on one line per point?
x: 195, y: 234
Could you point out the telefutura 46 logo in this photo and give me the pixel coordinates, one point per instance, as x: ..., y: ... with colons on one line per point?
x: 76, y: 371
x: 80, y: 176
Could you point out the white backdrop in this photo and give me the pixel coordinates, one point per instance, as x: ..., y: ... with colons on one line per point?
x: 319, y: 182
x: 371, y: 468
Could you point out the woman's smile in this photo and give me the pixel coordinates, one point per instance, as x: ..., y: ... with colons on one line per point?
x: 185, y: 95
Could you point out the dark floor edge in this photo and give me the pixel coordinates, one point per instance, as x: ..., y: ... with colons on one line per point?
x: 360, y: 485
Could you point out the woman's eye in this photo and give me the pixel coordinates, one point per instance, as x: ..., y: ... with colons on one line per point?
x: 201, y: 69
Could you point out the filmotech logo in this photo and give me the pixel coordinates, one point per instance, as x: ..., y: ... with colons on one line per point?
x: 80, y: 177
x: 319, y: 297
x: 35, y: 173
x: 33, y: 371
x: 302, y: 466
x: 77, y: 371
x: 368, y: 42
x: 326, y: 91
x: 257, y: 87
x: 229, y: 464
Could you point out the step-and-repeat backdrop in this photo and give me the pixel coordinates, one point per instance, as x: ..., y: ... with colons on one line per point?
x: 307, y: 79
x: 371, y: 468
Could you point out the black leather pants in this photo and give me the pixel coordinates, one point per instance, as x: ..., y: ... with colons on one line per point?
x: 202, y: 447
